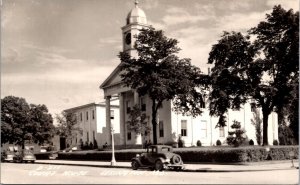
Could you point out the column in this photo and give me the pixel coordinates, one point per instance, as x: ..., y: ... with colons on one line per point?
x: 136, y: 98
x: 138, y: 136
x: 122, y: 120
x: 108, y: 124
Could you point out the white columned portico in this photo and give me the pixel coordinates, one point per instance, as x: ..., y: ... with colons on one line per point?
x: 108, y: 121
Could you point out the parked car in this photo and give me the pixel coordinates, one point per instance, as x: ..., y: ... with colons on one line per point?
x: 9, y: 154
x: 25, y: 155
x: 71, y: 149
x: 158, y: 157
x: 53, y: 154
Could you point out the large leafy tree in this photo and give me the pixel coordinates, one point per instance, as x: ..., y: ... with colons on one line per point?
x: 160, y: 74
x: 21, y: 121
x: 264, y: 70
x: 67, y: 126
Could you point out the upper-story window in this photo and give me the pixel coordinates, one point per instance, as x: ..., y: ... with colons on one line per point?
x: 87, y: 115
x: 81, y: 116
x: 93, y: 114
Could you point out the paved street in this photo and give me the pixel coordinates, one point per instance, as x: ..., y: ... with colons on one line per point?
x: 65, y: 174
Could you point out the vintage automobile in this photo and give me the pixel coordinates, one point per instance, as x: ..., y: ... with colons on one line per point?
x: 158, y: 157
x: 8, y: 155
x: 25, y: 155
x: 53, y: 154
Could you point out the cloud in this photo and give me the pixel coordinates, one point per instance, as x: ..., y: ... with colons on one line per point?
x: 240, y: 22
x: 286, y: 4
x: 109, y: 41
x: 148, y: 5
x: 59, y: 89
x: 176, y: 15
x: 9, y: 55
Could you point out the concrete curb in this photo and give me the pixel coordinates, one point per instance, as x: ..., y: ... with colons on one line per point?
x: 184, y: 170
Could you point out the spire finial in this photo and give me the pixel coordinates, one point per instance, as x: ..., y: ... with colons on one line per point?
x: 136, y: 3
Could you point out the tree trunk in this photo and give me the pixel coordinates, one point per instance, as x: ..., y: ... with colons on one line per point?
x: 154, y: 115
x: 265, y: 129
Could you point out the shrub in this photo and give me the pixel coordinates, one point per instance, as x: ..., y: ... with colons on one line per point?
x: 199, y: 143
x: 238, y: 136
x: 218, y: 143
x: 95, y: 144
x: 275, y: 142
x: 251, y: 142
x: 180, y: 142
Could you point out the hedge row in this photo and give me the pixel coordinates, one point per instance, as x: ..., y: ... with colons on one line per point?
x: 243, y: 154
x: 202, y: 154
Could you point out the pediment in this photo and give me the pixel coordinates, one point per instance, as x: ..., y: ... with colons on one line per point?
x: 113, y: 79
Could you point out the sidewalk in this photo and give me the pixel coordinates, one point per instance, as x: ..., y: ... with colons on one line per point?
x: 245, y: 167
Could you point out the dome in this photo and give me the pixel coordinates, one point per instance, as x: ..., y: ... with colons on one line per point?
x: 136, y: 15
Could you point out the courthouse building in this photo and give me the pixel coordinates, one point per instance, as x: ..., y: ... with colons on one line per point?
x: 170, y: 124
x: 91, y: 120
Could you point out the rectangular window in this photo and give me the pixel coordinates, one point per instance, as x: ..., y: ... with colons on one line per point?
x: 128, y: 107
x: 221, y: 131
x: 161, y: 129
x: 128, y: 135
x: 203, y: 128
x: 143, y: 104
x: 81, y: 116
x: 112, y: 114
x: 93, y: 114
x: 87, y: 115
x: 183, y: 128
x: 87, y: 137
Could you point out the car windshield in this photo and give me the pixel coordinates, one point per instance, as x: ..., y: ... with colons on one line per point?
x: 165, y: 149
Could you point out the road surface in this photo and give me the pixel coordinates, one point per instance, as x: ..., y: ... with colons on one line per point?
x: 18, y: 173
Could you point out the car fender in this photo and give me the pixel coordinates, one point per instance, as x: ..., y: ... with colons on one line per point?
x: 138, y: 160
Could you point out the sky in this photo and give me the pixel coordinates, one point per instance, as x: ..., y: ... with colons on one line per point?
x: 58, y: 52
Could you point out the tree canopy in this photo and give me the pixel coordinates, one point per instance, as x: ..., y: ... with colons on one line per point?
x: 21, y: 121
x: 160, y: 74
x: 67, y: 126
x: 261, y: 67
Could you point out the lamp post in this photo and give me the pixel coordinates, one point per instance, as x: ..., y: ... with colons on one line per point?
x: 291, y: 154
x: 268, y: 153
x: 113, y: 160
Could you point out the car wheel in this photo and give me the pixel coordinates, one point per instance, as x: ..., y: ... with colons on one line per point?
x: 159, y: 166
x: 135, y: 165
x: 176, y: 159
